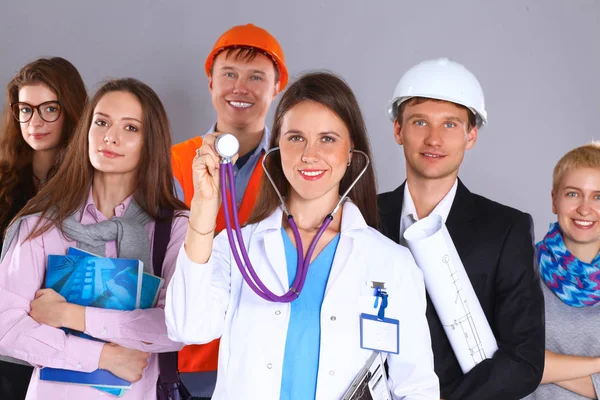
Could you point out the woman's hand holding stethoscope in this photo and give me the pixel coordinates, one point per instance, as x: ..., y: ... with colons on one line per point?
x: 206, y: 201
x: 205, y: 169
x: 207, y: 197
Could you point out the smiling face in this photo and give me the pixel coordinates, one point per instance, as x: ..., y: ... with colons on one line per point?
x: 40, y: 135
x: 315, y: 150
x: 242, y: 90
x: 116, y: 134
x: 576, y: 202
x: 435, y: 136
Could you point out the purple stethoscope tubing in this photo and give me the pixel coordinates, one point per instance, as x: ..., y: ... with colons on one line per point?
x: 250, y: 276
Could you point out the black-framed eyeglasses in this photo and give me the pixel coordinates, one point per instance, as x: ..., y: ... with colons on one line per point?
x: 49, y: 111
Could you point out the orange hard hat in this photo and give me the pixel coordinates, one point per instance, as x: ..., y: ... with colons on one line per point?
x: 250, y: 35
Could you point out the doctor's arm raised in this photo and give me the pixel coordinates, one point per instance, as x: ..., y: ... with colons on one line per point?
x: 198, y: 294
x: 205, y: 203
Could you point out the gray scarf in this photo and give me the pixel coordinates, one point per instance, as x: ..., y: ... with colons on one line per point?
x: 128, y: 231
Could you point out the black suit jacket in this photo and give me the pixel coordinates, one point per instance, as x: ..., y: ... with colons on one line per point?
x: 496, y: 247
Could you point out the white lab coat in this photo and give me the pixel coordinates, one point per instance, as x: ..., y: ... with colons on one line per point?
x: 205, y: 302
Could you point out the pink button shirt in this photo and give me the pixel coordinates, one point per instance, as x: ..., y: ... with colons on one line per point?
x: 22, y: 273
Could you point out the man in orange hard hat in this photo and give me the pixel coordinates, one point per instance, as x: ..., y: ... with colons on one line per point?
x: 246, y: 71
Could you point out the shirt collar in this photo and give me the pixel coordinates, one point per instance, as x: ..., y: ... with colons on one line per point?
x: 352, y: 219
x: 91, y: 214
x: 442, y: 209
x: 262, y: 146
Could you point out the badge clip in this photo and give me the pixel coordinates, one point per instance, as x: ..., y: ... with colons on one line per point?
x: 381, y: 293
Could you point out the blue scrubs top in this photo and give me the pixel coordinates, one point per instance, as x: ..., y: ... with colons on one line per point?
x: 302, y: 346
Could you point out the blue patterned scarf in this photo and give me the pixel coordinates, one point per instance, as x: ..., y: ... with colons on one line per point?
x: 576, y: 283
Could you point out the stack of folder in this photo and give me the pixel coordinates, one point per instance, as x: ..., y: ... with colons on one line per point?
x: 113, y: 283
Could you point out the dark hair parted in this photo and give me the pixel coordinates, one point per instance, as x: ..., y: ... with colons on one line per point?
x: 332, y: 92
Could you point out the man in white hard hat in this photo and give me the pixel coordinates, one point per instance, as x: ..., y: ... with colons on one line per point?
x: 438, y: 108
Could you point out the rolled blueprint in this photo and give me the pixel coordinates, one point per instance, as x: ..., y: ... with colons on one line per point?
x: 451, y: 292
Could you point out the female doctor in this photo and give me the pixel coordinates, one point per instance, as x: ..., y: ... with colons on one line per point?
x: 310, y: 347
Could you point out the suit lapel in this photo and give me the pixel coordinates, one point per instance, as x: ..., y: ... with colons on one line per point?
x: 460, y: 223
x: 390, y: 209
x: 461, y: 220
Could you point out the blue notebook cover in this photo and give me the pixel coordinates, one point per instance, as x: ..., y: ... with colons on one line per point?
x: 110, y: 283
x: 99, y: 377
x: 151, y: 284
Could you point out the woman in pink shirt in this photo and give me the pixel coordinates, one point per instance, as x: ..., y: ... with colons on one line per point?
x: 105, y: 198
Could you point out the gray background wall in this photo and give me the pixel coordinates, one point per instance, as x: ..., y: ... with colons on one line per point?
x: 538, y: 62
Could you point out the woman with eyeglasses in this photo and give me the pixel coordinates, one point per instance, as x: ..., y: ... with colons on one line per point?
x: 44, y: 103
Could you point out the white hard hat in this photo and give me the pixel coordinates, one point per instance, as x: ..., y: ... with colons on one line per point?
x: 440, y: 79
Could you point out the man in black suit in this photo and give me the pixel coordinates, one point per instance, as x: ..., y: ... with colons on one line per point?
x: 437, y: 109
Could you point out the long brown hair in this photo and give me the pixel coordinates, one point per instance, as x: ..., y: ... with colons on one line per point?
x: 68, y: 190
x: 331, y: 91
x: 16, y: 156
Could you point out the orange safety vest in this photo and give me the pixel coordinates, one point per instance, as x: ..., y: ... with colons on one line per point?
x: 199, y: 358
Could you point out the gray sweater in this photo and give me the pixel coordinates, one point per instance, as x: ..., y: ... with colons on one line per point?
x: 573, y: 331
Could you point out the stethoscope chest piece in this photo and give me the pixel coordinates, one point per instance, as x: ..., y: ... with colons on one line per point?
x: 227, y: 146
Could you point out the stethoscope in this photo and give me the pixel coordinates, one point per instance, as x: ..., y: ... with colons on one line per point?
x: 227, y: 147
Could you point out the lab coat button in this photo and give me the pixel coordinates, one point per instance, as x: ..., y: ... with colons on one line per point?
x: 78, y: 366
x: 104, y: 331
x: 269, y: 365
x: 333, y: 318
x: 332, y: 372
x: 277, y: 312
